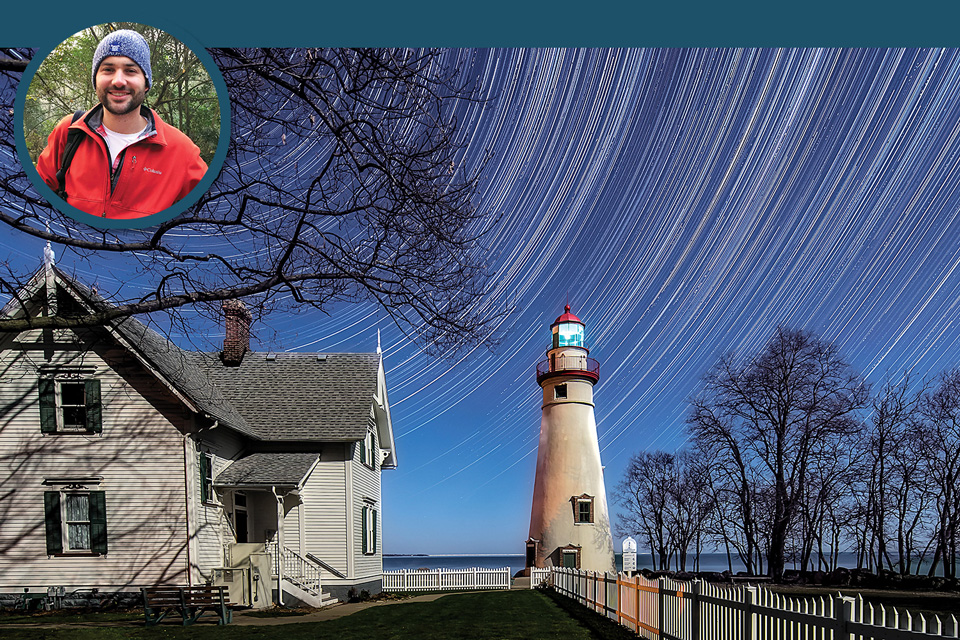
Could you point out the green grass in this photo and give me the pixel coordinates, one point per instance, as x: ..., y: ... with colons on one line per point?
x: 500, y: 615
x: 68, y: 617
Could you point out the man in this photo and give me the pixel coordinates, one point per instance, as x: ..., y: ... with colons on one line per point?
x: 129, y: 163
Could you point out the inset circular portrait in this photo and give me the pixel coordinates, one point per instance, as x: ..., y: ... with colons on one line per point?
x: 123, y: 125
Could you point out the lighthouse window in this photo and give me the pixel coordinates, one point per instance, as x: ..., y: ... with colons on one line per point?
x: 569, y: 334
x: 584, y: 513
x: 560, y: 392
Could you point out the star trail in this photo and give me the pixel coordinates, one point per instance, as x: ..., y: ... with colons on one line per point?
x: 685, y: 202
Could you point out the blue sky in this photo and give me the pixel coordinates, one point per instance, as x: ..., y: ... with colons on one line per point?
x: 685, y: 203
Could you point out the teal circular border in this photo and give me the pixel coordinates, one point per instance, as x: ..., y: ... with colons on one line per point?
x: 213, y: 170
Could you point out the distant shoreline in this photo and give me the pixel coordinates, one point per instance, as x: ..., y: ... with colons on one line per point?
x: 451, y: 555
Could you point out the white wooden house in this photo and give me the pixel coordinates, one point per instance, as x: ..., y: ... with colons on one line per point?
x: 126, y: 461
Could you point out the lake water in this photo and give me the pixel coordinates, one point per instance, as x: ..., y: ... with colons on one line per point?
x: 708, y: 562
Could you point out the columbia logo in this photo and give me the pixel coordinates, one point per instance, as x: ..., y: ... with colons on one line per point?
x: 114, y: 48
x: 149, y: 170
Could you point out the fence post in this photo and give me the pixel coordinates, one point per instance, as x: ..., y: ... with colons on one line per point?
x: 695, y: 610
x: 661, y: 607
x: 842, y: 614
x: 636, y: 594
x: 404, y: 579
x: 749, y: 600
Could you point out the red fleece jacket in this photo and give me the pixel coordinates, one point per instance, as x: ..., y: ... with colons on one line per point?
x: 154, y: 172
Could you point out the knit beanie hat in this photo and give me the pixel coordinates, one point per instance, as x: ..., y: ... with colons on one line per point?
x: 124, y: 42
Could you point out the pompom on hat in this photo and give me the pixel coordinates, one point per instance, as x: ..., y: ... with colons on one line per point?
x: 124, y: 42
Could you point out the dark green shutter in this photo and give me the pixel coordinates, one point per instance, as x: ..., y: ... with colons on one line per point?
x: 363, y: 527
x: 363, y: 450
x: 98, y: 522
x: 48, y: 406
x: 94, y: 420
x: 204, y: 473
x: 373, y: 514
x: 53, y: 524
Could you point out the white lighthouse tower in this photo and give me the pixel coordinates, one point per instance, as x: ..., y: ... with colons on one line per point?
x: 569, y: 521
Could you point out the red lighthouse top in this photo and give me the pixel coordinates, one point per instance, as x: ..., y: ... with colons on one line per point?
x: 567, y: 352
x: 567, y: 317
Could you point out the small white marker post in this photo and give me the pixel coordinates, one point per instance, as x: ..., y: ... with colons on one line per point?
x: 629, y: 555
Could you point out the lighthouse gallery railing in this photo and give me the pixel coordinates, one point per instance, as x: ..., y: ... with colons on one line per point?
x: 568, y: 363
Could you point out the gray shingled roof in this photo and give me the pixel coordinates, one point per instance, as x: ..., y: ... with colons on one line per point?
x: 299, y: 396
x: 182, y: 370
x: 279, y: 469
x: 292, y: 397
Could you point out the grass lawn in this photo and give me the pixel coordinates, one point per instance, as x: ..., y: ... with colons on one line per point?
x: 496, y: 615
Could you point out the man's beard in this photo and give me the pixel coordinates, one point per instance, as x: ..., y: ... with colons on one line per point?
x: 136, y: 99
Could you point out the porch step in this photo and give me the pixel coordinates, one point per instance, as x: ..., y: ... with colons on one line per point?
x: 292, y: 591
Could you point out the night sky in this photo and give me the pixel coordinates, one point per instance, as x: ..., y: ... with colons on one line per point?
x: 685, y: 203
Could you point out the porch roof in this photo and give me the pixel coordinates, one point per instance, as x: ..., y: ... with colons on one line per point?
x: 267, y: 469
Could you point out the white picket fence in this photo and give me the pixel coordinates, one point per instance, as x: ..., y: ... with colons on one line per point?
x: 668, y: 609
x: 538, y: 576
x: 446, y: 579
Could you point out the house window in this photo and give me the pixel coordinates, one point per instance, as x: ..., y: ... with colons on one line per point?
x: 583, y: 509
x: 70, y: 406
x: 206, y: 477
x: 75, y: 522
x: 571, y: 558
x: 560, y: 392
x: 368, y: 518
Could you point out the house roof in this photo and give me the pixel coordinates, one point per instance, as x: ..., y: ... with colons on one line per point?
x: 183, y: 370
x: 286, y: 397
x: 268, y: 469
x: 299, y: 396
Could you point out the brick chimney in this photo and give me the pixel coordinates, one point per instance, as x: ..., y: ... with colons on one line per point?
x: 236, y: 342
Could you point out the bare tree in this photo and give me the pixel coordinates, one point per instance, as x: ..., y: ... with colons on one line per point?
x: 894, y: 495
x: 643, y: 493
x: 666, y: 504
x: 767, y: 416
x: 736, y: 492
x: 344, y: 181
x: 690, y: 505
x: 941, y: 411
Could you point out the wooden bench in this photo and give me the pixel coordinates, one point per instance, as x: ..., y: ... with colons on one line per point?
x: 189, y: 602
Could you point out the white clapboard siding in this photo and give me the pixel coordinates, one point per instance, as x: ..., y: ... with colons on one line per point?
x: 325, y: 510
x: 446, y: 579
x: 139, y: 454
x: 667, y: 608
x: 213, y: 530
x: 366, y: 493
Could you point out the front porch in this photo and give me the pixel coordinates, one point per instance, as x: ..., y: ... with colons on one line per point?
x: 263, y: 539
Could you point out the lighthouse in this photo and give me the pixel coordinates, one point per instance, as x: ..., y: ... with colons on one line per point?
x: 569, y: 521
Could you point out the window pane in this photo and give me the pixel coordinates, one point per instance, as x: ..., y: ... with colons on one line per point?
x: 74, y: 417
x: 77, y: 507
x: 78, y: 536
x: 72, y: 393
x: 584, y: 511
x: 570, y: 334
